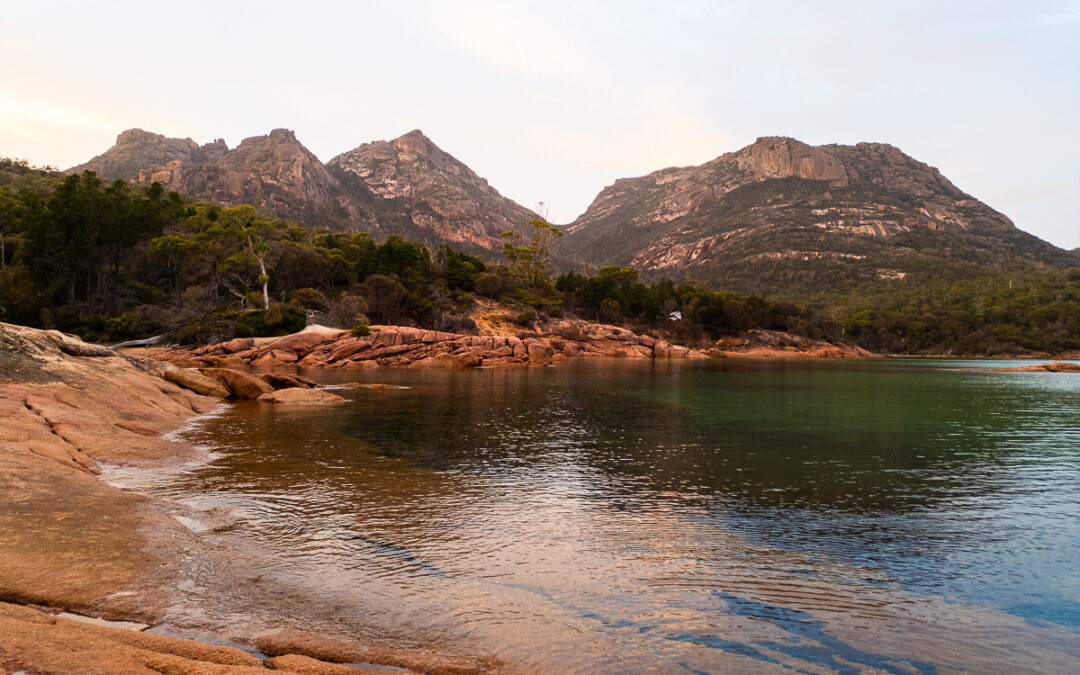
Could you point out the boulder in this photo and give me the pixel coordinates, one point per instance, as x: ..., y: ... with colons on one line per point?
x: 237, y: 345
x: 76, y: 347
x: 470, y: 360
x: 242, y: 385
x: 568, y: 330
x: 296, y: 396
x: 275, y: 357
x: 538, y: 351
x: 284, y: 381
x: 195, y: 381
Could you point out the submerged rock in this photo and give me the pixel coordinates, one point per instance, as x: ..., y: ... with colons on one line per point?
x: 297, y: 396
x: 1051, y: 367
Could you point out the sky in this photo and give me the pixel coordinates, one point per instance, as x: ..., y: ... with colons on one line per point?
x: 552, y: 101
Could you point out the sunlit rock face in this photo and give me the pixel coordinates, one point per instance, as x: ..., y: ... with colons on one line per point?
x: 434, y: 190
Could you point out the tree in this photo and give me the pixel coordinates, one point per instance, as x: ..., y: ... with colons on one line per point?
x: 527, y: 262
x: 11, y: 217
x: 385, y: 297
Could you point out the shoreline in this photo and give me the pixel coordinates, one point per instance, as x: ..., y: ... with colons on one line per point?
x: 77, y: 551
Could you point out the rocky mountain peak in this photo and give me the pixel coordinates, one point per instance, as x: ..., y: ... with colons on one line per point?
x: 438, y: 192
x: 139, y: 137
x: 416, y: 145
x: 780, y: 157
x: 137, y: 150
x: 416, y: 141
x: 282, y: 136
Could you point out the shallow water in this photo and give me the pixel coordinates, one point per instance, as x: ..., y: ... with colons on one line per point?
x: 873, y: 516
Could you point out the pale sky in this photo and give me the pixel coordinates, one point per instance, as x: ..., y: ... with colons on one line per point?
x: 552, y: 101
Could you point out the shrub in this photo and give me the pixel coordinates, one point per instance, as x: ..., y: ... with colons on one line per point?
x: 307, y: 298
x: 278, y: 320
x: 524, y: 318
x: 493, y: 285
x: 361, y: 330
x: 347, y: 310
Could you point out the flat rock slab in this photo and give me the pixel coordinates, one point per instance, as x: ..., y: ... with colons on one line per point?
x: 298, y: 396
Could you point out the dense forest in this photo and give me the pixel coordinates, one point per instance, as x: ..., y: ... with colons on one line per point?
x: 112, y: 262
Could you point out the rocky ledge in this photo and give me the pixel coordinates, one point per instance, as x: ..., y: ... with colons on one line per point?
x: 319, y: 347
x: 780, y: 344
x: 77, y: 553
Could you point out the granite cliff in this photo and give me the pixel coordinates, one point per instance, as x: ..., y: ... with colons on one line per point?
x: 784, y: 217
x: 433, y: 190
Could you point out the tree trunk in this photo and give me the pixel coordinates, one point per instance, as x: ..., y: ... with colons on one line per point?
x: 266, y: 292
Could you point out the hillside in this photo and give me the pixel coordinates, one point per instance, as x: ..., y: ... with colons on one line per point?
x: 785, y: 218
x: 406, y: 186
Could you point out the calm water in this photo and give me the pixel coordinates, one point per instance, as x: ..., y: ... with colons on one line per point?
x: 879, y: 516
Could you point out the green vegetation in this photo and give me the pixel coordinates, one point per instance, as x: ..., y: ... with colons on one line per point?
x: 971, y: 310
x: 114, y: 262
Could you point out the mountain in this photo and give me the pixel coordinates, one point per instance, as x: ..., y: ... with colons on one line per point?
x: 434, y: 190
x: 787, y: 218
x: 405, y: 186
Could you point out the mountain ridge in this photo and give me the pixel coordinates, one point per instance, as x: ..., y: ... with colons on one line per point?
x: 407, y: 185
x: 779, y: 212
x: 777, y: 216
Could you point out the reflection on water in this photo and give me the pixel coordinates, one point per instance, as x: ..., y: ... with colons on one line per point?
x: 901, y: 517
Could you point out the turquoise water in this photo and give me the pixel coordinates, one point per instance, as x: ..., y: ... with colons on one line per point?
x: 871, y: 516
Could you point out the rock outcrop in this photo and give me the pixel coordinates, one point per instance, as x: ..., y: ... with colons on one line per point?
x: 786, y: 218
x: 780, y: 344
x: 405, y: 346
x: 137, y: 151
